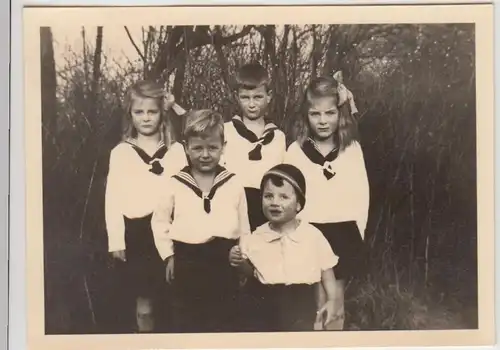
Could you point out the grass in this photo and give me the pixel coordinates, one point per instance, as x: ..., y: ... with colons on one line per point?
x: 383, y: 305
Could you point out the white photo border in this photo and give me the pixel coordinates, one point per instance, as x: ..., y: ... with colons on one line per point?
x: 481, y: 15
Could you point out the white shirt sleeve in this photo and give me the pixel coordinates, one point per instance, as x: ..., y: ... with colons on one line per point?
x: 289, y: 156
x: 282, y: 147
x: 244, y: 245
x: 327, y: 259
x: 161, y: 223
x: 362, y: 188
x: 244, y: 222
x: 115, y: 224
x: 175, y: 159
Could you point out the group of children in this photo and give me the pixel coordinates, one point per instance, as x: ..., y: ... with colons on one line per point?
x: 228, y: 227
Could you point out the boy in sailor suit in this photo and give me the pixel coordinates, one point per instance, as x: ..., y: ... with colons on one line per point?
x: 254, y: 142
x: 201, y: 214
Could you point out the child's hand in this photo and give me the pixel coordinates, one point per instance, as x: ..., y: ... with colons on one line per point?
x: 170, y: 269
x: 169, y: 101
x: 120, y: 255
x: 332, y: 313
x: 235, y: 256
x: 246, y: 268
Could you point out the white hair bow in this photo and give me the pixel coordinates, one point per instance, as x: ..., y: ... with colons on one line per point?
x: 344, y: 93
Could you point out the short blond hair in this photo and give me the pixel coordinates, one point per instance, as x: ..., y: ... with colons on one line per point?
x: 203, y: 123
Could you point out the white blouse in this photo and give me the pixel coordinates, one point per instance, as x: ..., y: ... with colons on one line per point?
x: 336, y: 190
x: 132, y: 186
x: 240, y: 145
x: 185, y: 214
x: 292, y: 258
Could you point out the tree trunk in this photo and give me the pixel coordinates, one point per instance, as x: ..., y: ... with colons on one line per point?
x: 49, y: 83
x: 57, y: 317
x: 85, y: 63
x: 177, y: 121
x: 223, y: 64
x: 96, y: 71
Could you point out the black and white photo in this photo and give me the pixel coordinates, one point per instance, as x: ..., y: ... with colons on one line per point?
x: 315, y: 178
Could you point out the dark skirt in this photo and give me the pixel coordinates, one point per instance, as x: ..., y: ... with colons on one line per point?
x: 146, y: 270
x: 204, y: 287
x: 142, y: 275
x: 347, y: 243
x: 281, y: 308
x: 254, y: 203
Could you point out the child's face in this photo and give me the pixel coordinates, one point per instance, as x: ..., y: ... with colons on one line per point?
x: 279, y: 203
x: 204, y: 152
x: 146, y: 116
x: 323, y: 117
x: 254, y: 103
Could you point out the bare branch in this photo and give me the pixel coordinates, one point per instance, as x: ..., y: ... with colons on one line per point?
x: 231, y: 38
x: 134, y: 44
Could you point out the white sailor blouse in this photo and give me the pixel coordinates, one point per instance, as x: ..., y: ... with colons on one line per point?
x: 186, y: 214
x: 337, y: 186
x: 132, y: 185
x: 250, y: 156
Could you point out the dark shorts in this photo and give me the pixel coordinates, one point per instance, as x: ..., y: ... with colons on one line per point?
x: 204, y: 287
x: 280, y: 308
x: 347, y: 243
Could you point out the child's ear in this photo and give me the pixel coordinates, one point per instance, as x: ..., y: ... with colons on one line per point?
x: 269, y: 95
x: 299, y: 207
x: 235, y: 95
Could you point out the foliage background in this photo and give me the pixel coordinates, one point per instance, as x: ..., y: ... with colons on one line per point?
x: 414, y: 86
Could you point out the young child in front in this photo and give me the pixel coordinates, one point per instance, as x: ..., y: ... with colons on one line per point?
x: 146, y: 156
x: 287, y: 259
x: 331, y: 159
x: 201, y: 215
x: 254, y: 142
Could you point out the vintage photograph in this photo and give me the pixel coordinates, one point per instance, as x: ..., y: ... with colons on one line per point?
x: 401, y: 203
x: 259, y: 178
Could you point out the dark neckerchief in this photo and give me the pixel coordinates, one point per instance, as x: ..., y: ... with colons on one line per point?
x: 312, y: 152
x: 267, y: 136
x: 221, y: 177
x: 153, y: 160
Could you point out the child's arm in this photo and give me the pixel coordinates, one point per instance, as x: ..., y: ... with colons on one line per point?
x: 238, y: 257
x: 246, y: 268
x: 329, y: 290
x: 161, y: 223
x: 361, y: 188
x: 115, y: 225
x: 243, y: 220
x: 241, y: 262
x: 235, y: 256
x: 282, y: 147
x: 333, y: 290
x: 320, y: 295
